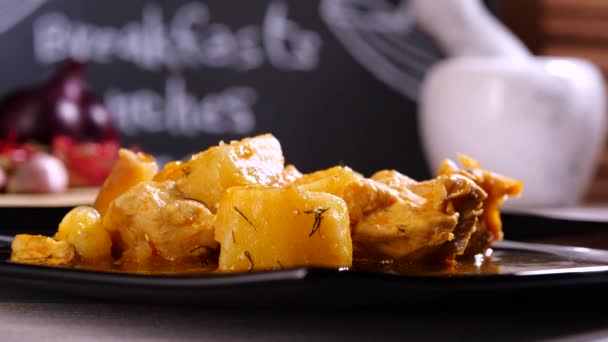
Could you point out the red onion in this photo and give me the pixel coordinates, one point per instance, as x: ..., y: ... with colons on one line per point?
x: 98, y: 120
x: 21, y: 113
x: 62, y: 106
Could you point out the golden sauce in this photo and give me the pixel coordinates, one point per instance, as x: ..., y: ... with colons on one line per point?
x: 494, y: 262
x: 479, y: 264
x: 159, y: 266
x: 155, y: 266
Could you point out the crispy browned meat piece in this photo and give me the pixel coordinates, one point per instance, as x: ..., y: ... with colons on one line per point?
x: 498, y: 188
x: 465, y: 199
x: 432, y: 220
x: 437, y: 220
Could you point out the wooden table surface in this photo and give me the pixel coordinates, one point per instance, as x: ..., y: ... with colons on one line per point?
x: 36, y: 315
x: 28, y: 317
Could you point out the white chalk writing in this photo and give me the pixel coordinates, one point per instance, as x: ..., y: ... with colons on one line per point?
x: 189, y: 39
x: 180, y: 113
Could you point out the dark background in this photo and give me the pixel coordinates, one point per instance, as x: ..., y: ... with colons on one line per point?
x: 336, y: 113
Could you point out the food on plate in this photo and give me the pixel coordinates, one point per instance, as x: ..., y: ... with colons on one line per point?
x: 237, y: 207
x: 155, y: 219
x: 253, y: 161
x: 130, y: 169
x: 260, y: 228
x: 62, y: 117
x: 42, y: 250
x: 82, y: 229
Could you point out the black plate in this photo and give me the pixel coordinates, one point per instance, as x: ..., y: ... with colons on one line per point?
x: 553, y: 282
x: 512, y: 274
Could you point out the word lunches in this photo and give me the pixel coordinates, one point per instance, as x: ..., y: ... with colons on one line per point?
x: 181, y: 114
x: 188, y: 40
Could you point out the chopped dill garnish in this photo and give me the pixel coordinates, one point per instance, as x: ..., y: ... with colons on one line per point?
x: 244, y: 217
x: 318, y: 218
x: 251, y: 264
x: 186, y: 170
x: 401, y: 228
x: 233, y: 238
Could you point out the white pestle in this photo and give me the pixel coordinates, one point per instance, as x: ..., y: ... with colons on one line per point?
x: 538, y: 119
x: 466, y: 28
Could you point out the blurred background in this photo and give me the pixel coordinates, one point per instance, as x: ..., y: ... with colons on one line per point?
x: 577, y: 28
x: 336, y: 81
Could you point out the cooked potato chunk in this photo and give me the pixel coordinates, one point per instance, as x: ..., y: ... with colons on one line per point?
x: 332, y: 180
x: 130, y: 169
x: 262, y: 228
x: 42, y: 250
x: 290, y: 175
x: 82, y: 228
x: 257, y: 160
x: 155, y: 219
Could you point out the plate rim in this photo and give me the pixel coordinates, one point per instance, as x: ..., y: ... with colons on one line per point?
x: 72, y: 197
x: 278, y: 287
x: 559, y: 277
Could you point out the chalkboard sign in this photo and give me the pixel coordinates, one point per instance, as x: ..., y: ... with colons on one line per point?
x: 335, y: 81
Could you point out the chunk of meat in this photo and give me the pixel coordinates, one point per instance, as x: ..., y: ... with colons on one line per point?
x: 432, y: 220
x: 400, y: 230
x: 399, y: 182
x: 41, y: 250
x: 464, y: 198
x: 395, y: 217
x: 456, y: 213
x: 498, y: 187
x: 366, y: 196
x: 155, y: 219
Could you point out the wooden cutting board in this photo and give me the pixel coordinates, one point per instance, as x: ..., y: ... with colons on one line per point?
x: 71, y: 198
